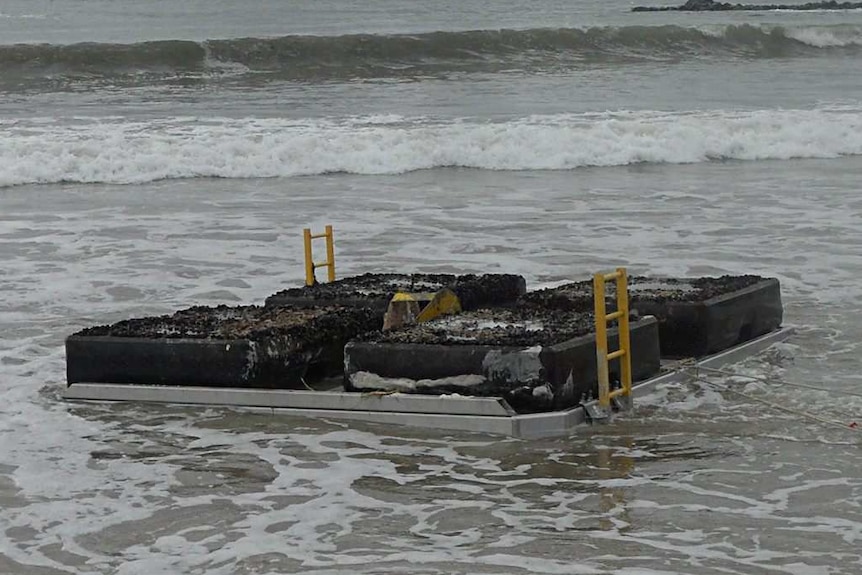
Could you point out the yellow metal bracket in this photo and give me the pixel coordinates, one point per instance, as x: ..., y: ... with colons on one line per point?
x: 621, y: 315
x: 444, y: 302
x: 404, y: 308
x: 310, y: 264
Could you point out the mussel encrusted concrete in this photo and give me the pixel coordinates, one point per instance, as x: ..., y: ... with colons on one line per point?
x: 536, y: 350
x: 538, y: 360
x: 696, y: 317
x: 376, y: 290
x: 246, y: 346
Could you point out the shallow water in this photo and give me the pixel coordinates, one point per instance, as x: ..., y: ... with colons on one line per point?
x: 694, y: 481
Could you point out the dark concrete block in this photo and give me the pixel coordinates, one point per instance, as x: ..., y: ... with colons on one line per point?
x: 693, y: 329
x: 696, y: 317
x: 376, y: 290
x: 245, y: 346
x: 548, y: 365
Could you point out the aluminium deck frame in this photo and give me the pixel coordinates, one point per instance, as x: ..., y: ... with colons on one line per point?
x: 451, y: 412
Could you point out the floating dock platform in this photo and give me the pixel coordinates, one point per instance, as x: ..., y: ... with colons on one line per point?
x: 447, y: 412
x: 480, y: 354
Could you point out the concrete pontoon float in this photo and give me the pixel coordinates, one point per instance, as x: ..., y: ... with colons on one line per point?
x: 514, y: 363
x: 448, y: 412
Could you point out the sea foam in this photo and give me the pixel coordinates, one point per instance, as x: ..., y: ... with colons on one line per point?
x: 116, y: 150
x: 827, y: 36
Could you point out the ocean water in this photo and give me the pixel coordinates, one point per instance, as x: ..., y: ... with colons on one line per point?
x: 159, y: 154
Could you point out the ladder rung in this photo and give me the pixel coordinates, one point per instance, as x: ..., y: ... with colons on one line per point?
x: 322, y: 264
x: 613, y: 316
x: 616, y: 354
x: 612, y: 276
x: 616, y: 392
x: 315, y: 236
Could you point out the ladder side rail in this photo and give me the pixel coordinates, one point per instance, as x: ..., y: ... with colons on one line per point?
x: 624, y: 334
x: 601, y: 340
x: 330, y: 253
x: 309, y: 261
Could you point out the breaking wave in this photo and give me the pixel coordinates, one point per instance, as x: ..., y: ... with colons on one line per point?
x: 116, y: 150
x: 368, y: 55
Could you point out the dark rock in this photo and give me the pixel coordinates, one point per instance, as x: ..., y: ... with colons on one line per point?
x: 712, y: 6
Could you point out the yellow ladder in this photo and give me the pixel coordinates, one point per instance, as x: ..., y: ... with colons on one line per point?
x: 310, y: 264
x: 621, y: 315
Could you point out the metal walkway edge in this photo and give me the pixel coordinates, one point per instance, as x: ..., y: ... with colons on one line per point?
x: 450, y: 412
